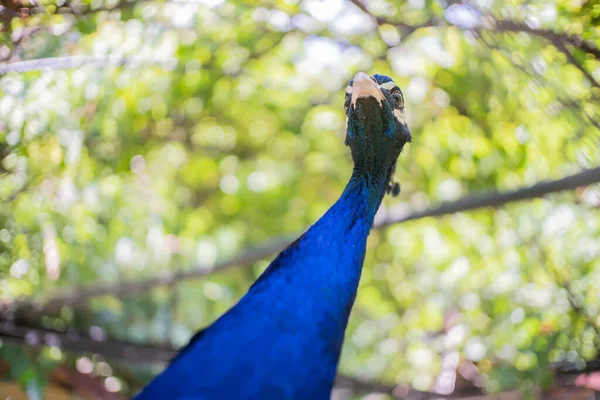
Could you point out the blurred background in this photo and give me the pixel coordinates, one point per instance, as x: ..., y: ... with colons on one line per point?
x: 154, y: 156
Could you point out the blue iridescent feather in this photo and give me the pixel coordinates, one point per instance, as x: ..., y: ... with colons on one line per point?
x: 283, y: 339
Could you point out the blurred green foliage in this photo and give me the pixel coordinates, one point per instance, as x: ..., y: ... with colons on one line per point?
x: 208, y: 127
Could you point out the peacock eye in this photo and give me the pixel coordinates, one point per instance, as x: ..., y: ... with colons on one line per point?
x: 399, y: 99
x: 397, y: 95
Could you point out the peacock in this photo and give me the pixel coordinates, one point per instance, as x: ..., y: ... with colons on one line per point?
x: 283, y: 339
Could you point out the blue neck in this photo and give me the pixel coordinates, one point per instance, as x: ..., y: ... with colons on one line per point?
x: 329, y: 256
x: 339, y: 238
x: 283, y: 339
x: 331, y: 253
x: 366, y: 191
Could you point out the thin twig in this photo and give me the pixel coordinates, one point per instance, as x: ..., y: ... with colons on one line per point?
x: 552, y: 36
x: 558, y: 39
x: 498, y: 26
x: 563, y: 49
x: 406, y: 29
x: 577, y: 305
x: 541, y: 81
x: 78, y: 295
x: 24, y: 34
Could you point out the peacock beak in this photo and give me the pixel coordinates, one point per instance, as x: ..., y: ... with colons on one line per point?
x: 364, y: 86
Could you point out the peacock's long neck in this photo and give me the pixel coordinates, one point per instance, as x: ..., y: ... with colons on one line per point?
x: 284, y: 338
x: 364, y: 193
x: 357, y: 205
x: 331, y: 253
x: 324, y: 266
x: 325, y: 263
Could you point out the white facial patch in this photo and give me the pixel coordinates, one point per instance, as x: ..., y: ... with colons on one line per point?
x: 399, y: 115
x: 348, y: 89
x: 365, y: 86
x: 388, y: 85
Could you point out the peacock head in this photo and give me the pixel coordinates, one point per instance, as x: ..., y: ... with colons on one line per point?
x: 376, y: 128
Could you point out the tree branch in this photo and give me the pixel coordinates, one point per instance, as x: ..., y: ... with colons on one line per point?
x: 7, y: 14
x: 557, y: 39
x: 496, y: 199
x: 400, y: 391
x: 571, y: 58
x: 406, y: 29
x: 75, y: 296
x: 542, y: 81
x: 69, y: 62
x: 119, y: 351
x: 498, y: 26
x: 550, y: 35
x: 78, y: 295
x: 24, y: 34
x: 74, y: 342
